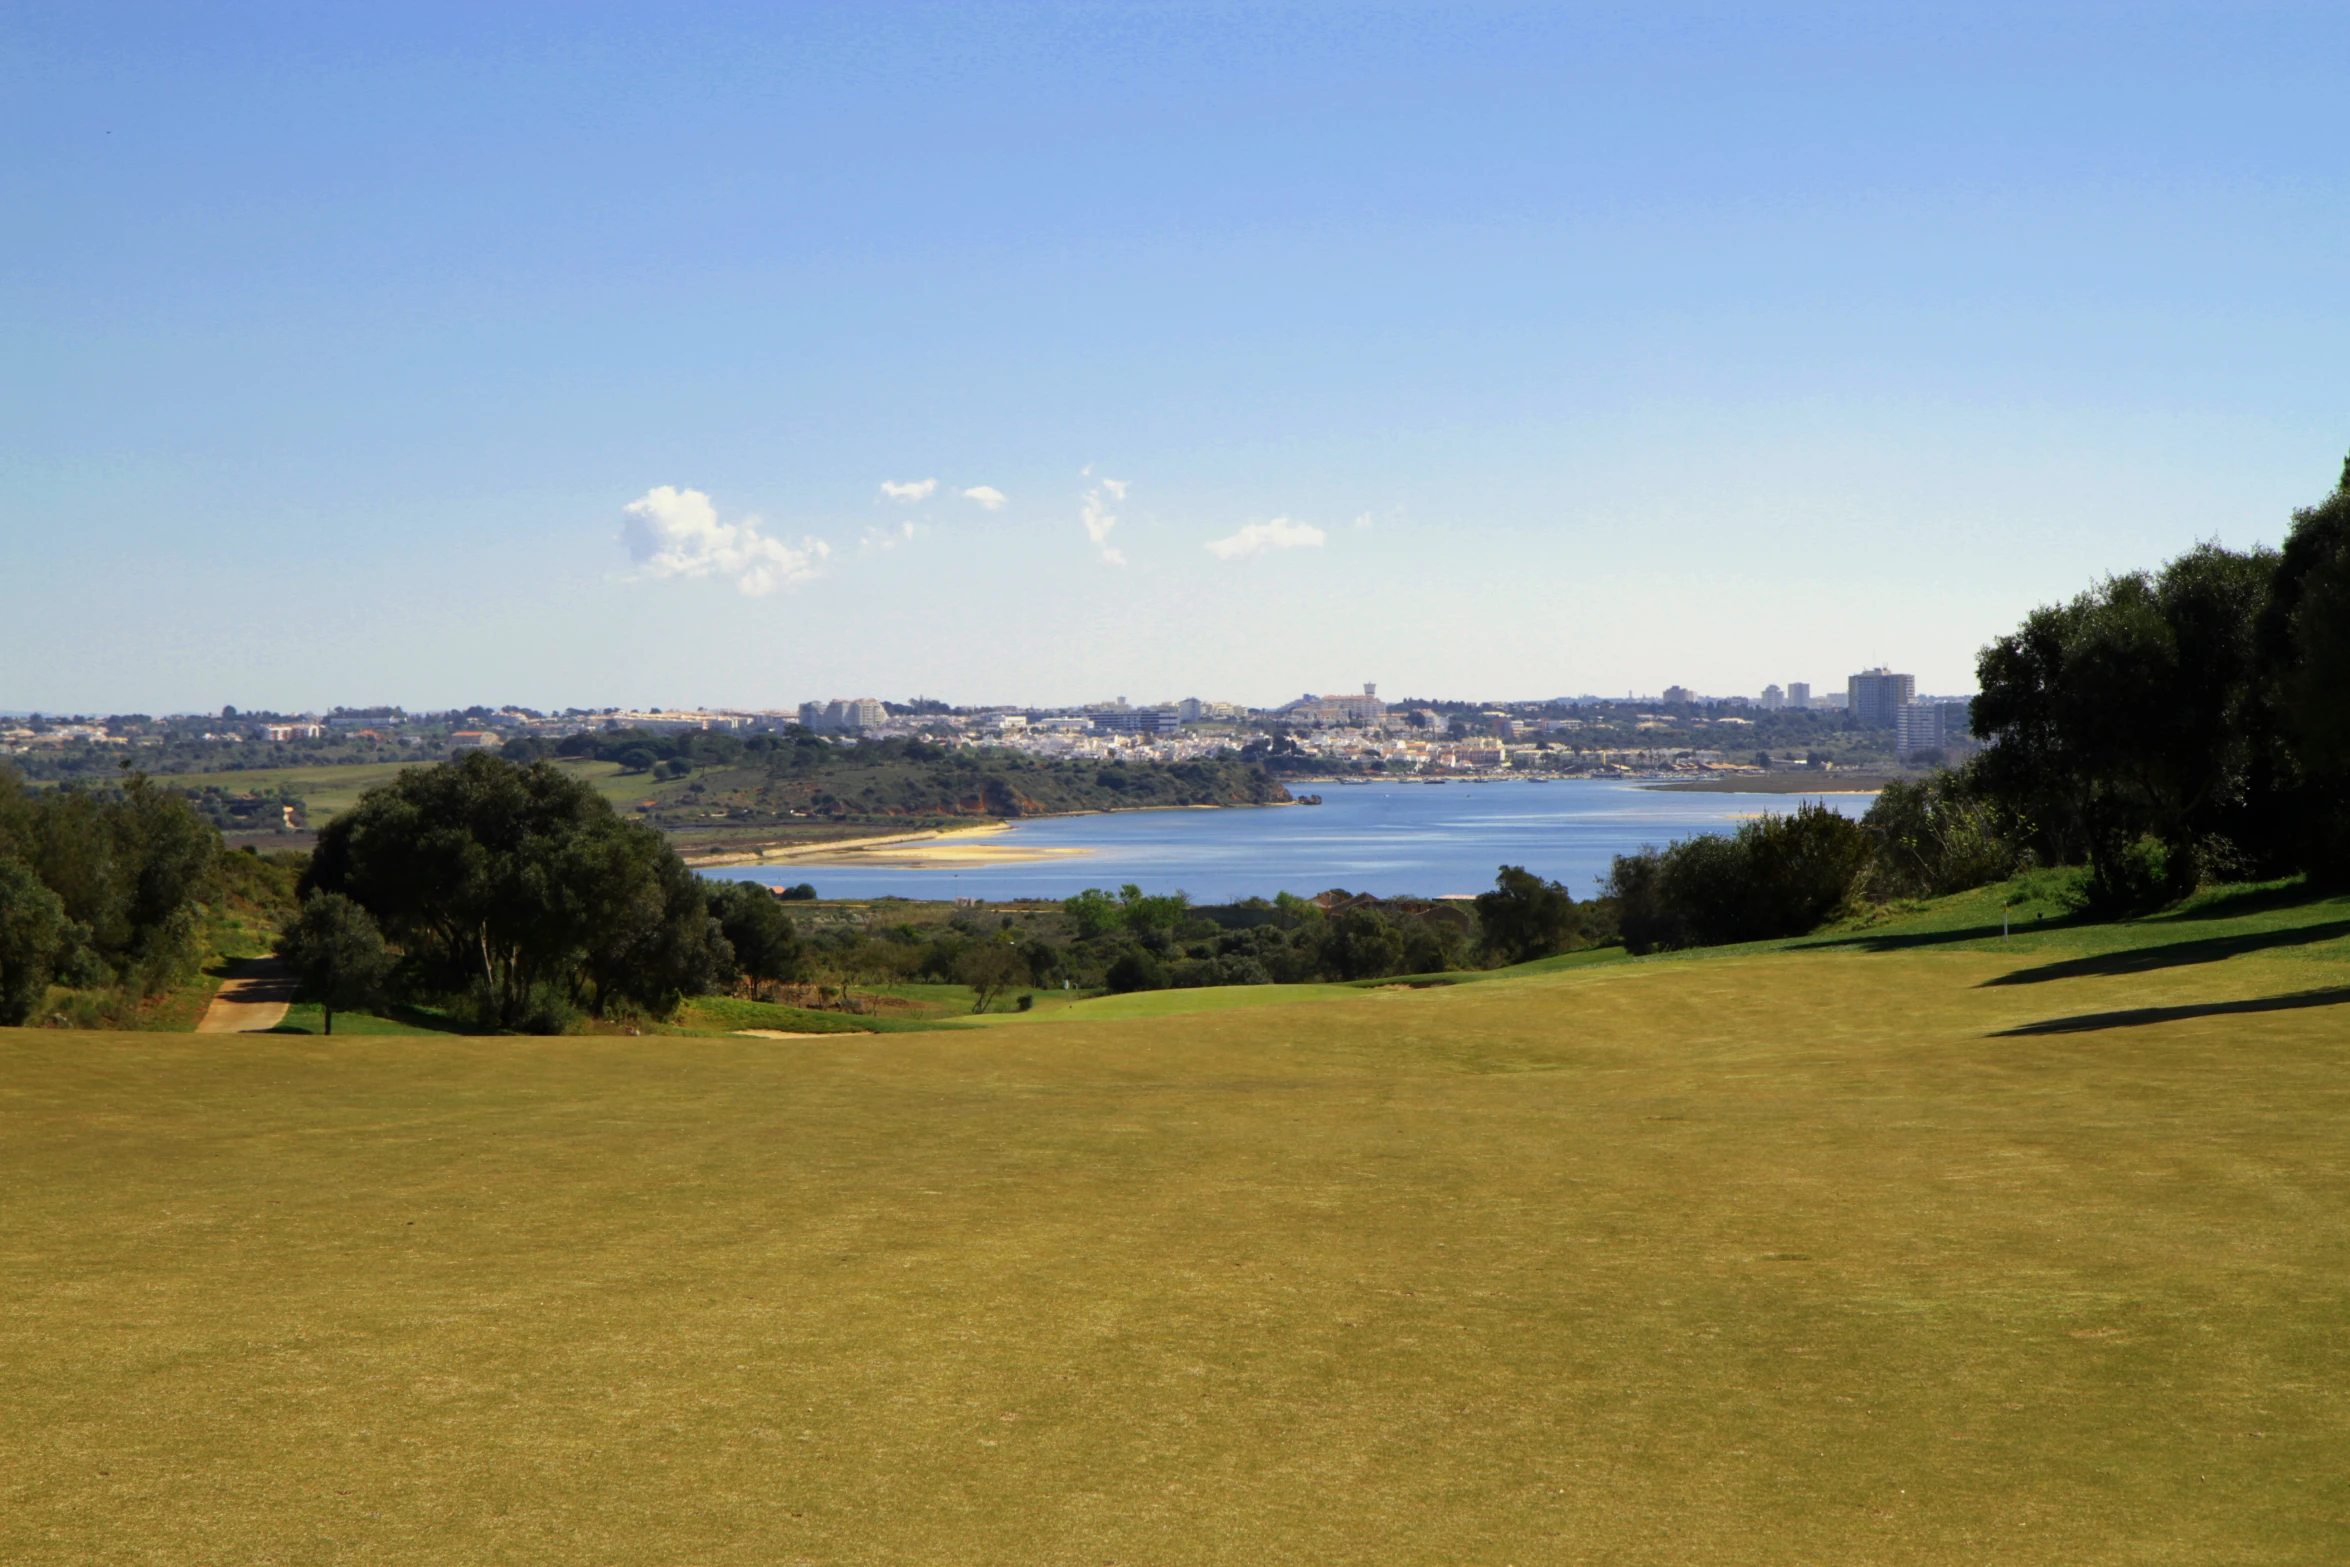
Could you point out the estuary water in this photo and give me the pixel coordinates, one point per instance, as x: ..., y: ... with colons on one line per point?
x: 1393, y: 839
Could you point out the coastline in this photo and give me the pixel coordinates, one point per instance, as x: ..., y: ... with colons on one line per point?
x: 939, y: 848
x: 1775, y: 783
x: 936, y: 848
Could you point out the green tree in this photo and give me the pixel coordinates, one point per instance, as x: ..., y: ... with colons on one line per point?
x: 1525, y: 917
x: 524, y: 884
x: 1362, y: 944
x: 1135, y: 969
x: 337, y: 954
x: 126, y: 863
x: 34, y: 933
x: 1145, y: 914
x: 990, y: 968
x: 1777, y: 876
x: 1093, y: 912
x: 1937, y: 836
x: 2129, y: 713
x: 2305, y: 679
x: 766, y: 945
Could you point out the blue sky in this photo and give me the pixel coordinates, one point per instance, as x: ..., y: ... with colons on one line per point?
x: 1472, y: 350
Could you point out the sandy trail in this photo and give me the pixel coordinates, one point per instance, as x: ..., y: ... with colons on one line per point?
x: 252, y: 1000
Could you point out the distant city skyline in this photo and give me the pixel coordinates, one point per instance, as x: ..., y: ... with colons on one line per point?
x: 1336, y: 696
x: 444, y: 355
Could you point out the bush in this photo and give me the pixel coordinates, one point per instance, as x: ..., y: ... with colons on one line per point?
x: 1779, y: 876
x: 1525, y: 917
x: 518, y: 883
x: 2137, y: 876
x: 1134, y: 969
x: 766, y: 945
x: 126, y: 865
x: 1362, y: 944
x: 336, y: 953
x: 34, y: 934
x: 1937, y: 837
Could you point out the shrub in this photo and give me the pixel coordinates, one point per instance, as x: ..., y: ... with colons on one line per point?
x: 1525, y: 917
x: 336, y: 953
x: 1778, y: 876
x: 1135, y: 969
x: 1937, y: 837
x: 33, y: 936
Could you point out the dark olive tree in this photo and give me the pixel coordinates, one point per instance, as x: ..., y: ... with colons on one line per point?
x: 337, y: 954
x: 990, y: 968
x: 1361, y: 944
x: 2305, y: 683
x: 2129, y: 715
x: 1937, y: 836
x: 1525, y: 917
x: 766, y: 945
x: 522, y: 883
x: 1776, y: 876
x: 126, y: 863
x: 34, y: 934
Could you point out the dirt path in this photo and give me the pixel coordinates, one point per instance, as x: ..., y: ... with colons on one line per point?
x: 252, y: 1000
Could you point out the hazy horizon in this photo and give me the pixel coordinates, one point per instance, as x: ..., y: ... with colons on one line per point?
x: 1000, y: 353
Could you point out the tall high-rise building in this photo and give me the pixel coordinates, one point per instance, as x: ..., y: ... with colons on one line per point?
x: 1874, y: 696
x: 1773, y: 699
x: 1917, y: 726
x: 1799, y: 693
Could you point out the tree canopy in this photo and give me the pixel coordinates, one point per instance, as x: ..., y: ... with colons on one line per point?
x: 524, y: 884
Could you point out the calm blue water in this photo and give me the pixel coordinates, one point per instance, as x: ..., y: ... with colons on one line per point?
x: 1392, y: 839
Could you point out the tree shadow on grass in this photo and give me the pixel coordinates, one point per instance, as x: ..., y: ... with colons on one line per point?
x: 2138, y: 1017
x: 2257, y: 899
x: 1905, y: 941
x: 2175, y: 954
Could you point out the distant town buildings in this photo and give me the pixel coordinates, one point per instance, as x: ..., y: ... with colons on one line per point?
x: 1799, y: 693
x: 1772, y: 699
x: 1679, y: 694
x: 1943, y: 724
x: 1321, y: 712
x: 850, y: 715
x: 1138, y: 721
x: 669, y: 721
x: 1875, y: 696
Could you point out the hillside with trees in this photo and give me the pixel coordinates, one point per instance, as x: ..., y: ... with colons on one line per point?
x: 704, y: 780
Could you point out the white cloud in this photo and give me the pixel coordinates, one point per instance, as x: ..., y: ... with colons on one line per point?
x: 878, y: 538
x: 1258, y: 537
x: 988, y: 496
x: 1363, y: 521
x: 917, y: 490
x: 676, y: 533
x: 1099, y: 520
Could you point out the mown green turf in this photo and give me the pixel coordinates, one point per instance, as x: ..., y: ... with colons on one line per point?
x: 1932, y: 1254
x: 1166, y: 1003
x: 308, y: 1017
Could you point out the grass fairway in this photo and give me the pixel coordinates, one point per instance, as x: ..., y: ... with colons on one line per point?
x: 1827, y: 1256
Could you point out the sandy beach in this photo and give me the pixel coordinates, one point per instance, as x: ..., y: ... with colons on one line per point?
x: 946, y: 848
